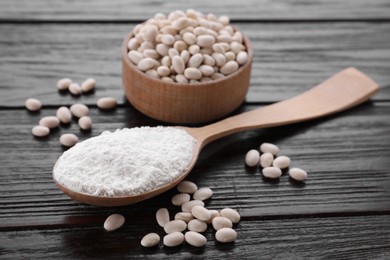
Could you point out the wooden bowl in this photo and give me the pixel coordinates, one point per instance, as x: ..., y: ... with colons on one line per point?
x: 185, y: 103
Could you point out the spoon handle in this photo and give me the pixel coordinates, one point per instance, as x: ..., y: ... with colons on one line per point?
x: 344, y: 90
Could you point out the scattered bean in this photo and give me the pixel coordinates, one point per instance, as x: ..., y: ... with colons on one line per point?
x: 113, y: 222
x: 266, y: 160
x: 281, y: 162
x: 162, y: 217
x: 185, y: 216
x: 203, y: 194
x: 180, y: 199
x: 33, y: 104
x: 75, y: 89
x: 272, y: 172
x: 150, y: 240
x: 40, y: 131
x: 49, y: 121
x: 187, y: 187
x: 173, y: 239
x: 187, y: 206
x: 231, y: 214
x: 226, y: 235
x: 200, y: 212
x: 252, y: 158
x: 64, y: 115
x: 106, y: 103
x: 88, y: 85
x: 214, y: 214
x: 269, y: 148
x: 68, y: 140
x: 195, y: 239
x: 298, y: 174
x: 197, y: 225
x: 85, y: 123
x: 176, y: 225
x: 79, y: 110
x: 221, y: 222
x: 63, y: 84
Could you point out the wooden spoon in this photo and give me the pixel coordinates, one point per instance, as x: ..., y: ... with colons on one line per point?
x: 344, y: 90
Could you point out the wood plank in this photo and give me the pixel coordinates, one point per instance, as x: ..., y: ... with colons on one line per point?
x: 345, y: 155
x: 122, y: 10
x: 365, y: 237
x: 289, y: 58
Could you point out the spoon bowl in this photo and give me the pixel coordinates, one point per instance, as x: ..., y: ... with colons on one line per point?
x: 344, y: 90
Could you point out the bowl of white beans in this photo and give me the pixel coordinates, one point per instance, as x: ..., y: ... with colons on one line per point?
x: 186, y: 67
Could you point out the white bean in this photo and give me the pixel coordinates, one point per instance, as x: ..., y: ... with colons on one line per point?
x: 166, y: 61
x: 226, y: 235
x: 88, y: 85
x: 195, y: 239
x: 180, y: 78
x: 192, y: 73
x: 162, y: 49
x: 175, y: 226
x: 167, y: 79
x: 173, y: 239
x: 180, y: 46
x: 221, y: 222
x: 214, y: 214
x: 135, y: 56
x: 272, y: 172
x: 33, y: 104
x: 229, y: 67
x: 269, y: 148
x: 162, y: 217
x: 113, y: 222
x: 152, y: 73
x: 266, y: 160
x: 85, y: 122
x: 185, y: 55
x: 195, y: 60
x: 219, y: 58
x: 189, y: 38
x: 146, y: 64
x: 49, y: 121
x: 68, y: 140
x: 200, y: 213
x: 168, y: 39
x: 281, y: 162
x: 63, y: 84
x: 225, y: 20
x: 203, y: 194
x: 64, y: 115
x: 163, y: 71
x: 178, y: 64
x: 150, y: 240
x: 185, y: 216
x: 133, y: 44
x: 187, y: 206
x: 79, y: 110
x: 75, y: 89
x: 231, y: 214
x: 218, y: 48
x: 230, y: 56
x: 208, y: 60
x: 180, y: 199
x: 149, y: 53
x: 106, y: 103
x: 197, y: 225
x: 150, y: 33
x: 187, y: 187
x: 205, y: 41
x: 193, y: 49
x: 298, y: 174
x: 181, y: 23
x: 242, y: 57
x: 173, y: 52
x: 252, y: 158
x: 40, y: 131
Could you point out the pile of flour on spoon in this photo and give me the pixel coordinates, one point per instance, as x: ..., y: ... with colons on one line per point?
x: 125, y: 162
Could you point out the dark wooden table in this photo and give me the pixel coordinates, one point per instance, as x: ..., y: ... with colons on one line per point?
x: 341, y: 212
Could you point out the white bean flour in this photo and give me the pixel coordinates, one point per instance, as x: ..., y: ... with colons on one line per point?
x: 125, y: 162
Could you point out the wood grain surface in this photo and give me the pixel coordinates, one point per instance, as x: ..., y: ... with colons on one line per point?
x: 341, y: 212
x: 289, y: 58
x: 122, y: 10
x: 365, y: 237
x: 345, y: 156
